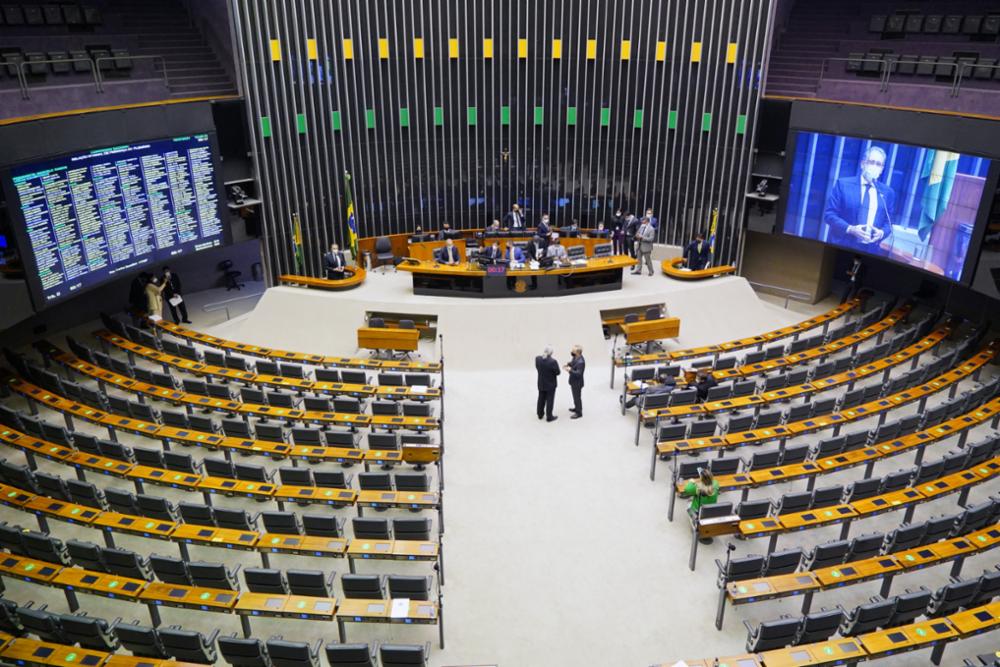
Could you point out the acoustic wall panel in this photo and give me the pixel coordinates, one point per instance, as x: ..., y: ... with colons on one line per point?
x: 659, y: 99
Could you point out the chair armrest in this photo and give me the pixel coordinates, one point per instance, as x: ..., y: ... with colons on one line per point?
x: 750, y: 629
x: 210, y: 640
x: 315, y: 648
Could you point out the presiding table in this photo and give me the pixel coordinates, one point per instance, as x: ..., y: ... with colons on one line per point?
x: 471, y: 280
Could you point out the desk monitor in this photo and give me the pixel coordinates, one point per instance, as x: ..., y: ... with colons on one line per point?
x: 602, y: 250
x: 451, y: 234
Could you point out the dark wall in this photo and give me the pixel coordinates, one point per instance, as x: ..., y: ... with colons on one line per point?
x: 212, y: 19
x: 315, y: 115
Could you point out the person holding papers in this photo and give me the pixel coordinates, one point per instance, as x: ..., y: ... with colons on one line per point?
x: 172, y: 293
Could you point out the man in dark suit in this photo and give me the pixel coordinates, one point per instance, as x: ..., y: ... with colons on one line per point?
x: 651, y: 219
x: 449, y: 253
x: 548, y: 371
x: 445, y: 232
x: 616, y: 223
x: 859, y: 208
x: 493, y: 253
x: 631, y: 227
x: 703, y: 382
x: 543, y: 231
x: 697, y: 253
x: 172, y: 290
x: 514, y: 219
x: 333, y: 263
x: 855, y: 276
x: 575, y: 368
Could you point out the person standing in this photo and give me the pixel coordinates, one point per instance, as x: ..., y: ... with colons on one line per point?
x: 644, y: 238
x: 137, y: 299
x: 154, y: 298
x: 855, y: 275
x: 548, y: 371
x: 543, y: 231
x: 652, y: 218
x: 631, y: 228
x: 514, y: 219
x: 333, y: 263
x: 172, y: 293
x: 697, y: 253
x: 575, y: 368
x: 617, y: 226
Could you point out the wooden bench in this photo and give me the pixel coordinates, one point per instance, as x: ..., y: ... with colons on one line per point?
x: 385, y: 338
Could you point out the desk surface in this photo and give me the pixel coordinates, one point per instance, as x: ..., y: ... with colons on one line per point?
x: 353, y: 276
x: 464, y: 269
x: 673, y: 268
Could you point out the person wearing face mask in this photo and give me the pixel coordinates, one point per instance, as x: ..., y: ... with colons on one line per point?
x: 859, y: 209
x: 543, y: 231
x: 575, y: 368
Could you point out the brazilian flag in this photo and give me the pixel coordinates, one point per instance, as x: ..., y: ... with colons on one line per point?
x: 352, y: 223
x: 297, y: 244
x: 939, y: 171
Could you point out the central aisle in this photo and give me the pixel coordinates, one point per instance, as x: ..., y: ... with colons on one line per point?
x: 557, y: 547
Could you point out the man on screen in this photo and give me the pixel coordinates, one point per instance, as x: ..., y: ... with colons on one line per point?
x: 859, y: 208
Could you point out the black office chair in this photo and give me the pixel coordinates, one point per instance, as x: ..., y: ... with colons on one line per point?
x: 230, y: 275
x: 383, y: 252
x: 244, y: 652
x: 187, y: 646
x: 350, y: 655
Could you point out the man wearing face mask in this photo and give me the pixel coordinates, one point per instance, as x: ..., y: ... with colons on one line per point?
x: 860, y: 209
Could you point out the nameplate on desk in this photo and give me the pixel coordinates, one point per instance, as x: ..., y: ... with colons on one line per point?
x: 496, y: 270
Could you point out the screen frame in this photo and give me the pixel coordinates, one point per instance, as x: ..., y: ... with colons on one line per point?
x: 20, y: 228
x: 982, y: 212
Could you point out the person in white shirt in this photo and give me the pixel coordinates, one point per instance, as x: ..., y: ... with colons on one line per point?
x: 555, y: 249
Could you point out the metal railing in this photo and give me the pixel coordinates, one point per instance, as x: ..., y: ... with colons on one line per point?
x: 94, y: 66
x: 959, y: 71
x: 795, y: 295
x: 224, y: 305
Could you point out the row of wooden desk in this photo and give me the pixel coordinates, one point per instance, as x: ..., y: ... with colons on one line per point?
x: 883, y: 365
x: 277, y: 381
x: 742, y: 343
x: 933, y: 633
x: 28, y: 651
x: 205, y: 484
x: 871, y: 409
x: 884, y: 568
x: 299, y: 357
x: 104, y: 376
x: 155, y: 594
x: 804, y: 356
x: 169, y: 434
x: 229, y: 538
x: 863, y: 456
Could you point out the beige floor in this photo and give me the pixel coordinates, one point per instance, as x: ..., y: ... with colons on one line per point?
x: 558, y: 550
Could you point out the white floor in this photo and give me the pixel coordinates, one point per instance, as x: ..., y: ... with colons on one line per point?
x: 558, y: 550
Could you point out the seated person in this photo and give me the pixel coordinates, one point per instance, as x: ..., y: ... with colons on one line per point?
x: 513, y: 254
x: 666, y: 384
x: 600, y: 232
x: 334, y: 264
x: 701, y: 491
x: 493, y: 229
x: 450, y: 254
x: 571, y: 231
x: 418, y: 235
x: 533, y: 249
x: 556, y: 250
x: 697, y: 253
x: 445, y: 232
x: 493, y: 253
x: 703, y: 381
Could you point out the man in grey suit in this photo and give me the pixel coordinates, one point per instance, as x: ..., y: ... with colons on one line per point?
x: 644, y: 237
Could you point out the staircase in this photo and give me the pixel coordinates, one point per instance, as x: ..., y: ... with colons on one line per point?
x: 164, y: 28
x: 813, y: 33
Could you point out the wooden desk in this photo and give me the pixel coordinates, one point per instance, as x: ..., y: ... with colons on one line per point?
x: 744, y: 660
x: 22, y: 651
x: 767, y: 588
x: 189, y: 597
x: 303, y: 545
x: 383, y: 338
x: 28, y: 569
x: 976, y: 620
x: 286, y: 606
x: 650, y: 330
x: 467, y: 280
x: 98, y: 583
x: 907, y: 637
x: 353, y: 276
x: 834, y: 652
x: 862, y: 570
x: 674, y: 269
x: 379, y: 611
x: 300, y: 357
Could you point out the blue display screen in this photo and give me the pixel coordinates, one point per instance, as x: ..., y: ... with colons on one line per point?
x: 915, y: 205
